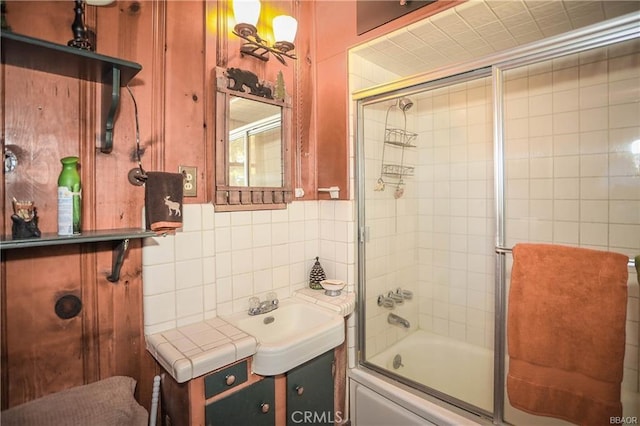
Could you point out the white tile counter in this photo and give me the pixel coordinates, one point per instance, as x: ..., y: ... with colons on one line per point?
x: 196, y: 349
x: 193, y: 350
x: 344, y: 304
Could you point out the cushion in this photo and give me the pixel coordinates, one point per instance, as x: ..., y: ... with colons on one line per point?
x: 108, y: 402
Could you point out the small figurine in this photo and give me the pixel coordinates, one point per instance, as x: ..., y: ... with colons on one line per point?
x: 316, y: 276
x: 25, y: 220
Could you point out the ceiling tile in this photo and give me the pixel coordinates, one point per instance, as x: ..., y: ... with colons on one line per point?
x: 476, y: 14
x: 477, y: 28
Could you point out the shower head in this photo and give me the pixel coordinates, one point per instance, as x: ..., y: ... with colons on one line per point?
x: 405, y: 104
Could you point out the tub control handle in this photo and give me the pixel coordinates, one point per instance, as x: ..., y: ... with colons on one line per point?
x: 386, y: 302
x: 299, y: 390
x: 230, y: 379
x: 265, y: 407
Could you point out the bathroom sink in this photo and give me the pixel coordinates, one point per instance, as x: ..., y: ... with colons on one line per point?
x: 290, y: 335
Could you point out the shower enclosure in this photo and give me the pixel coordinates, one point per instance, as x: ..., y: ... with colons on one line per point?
x: 539, y: 146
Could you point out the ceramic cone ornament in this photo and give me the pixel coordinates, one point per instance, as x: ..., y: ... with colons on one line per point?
x: 316, y: 276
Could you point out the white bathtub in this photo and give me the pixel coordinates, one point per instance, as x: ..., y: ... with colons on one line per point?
x: 455, y: 368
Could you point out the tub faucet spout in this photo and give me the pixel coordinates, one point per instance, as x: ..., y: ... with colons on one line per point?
x: 398, y: 320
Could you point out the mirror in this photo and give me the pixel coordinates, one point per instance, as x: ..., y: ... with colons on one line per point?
x: 255, y: 143
x: 253, y: 155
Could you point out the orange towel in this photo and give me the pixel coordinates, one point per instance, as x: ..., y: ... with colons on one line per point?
x: 566, y: 332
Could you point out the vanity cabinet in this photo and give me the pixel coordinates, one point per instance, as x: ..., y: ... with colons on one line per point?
x: 310, y: 389
x: 233, y: 395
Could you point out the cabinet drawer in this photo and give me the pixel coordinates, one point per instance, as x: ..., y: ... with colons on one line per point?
x: 252, y: 406
x: 225, y: 379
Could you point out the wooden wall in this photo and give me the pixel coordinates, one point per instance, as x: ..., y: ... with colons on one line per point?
x: 46, y: 117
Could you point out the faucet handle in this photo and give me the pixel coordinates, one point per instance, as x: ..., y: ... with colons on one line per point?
x: 396, y: 297
x: 386, y: 302
x: 406, y: 294
x: 272, y: 298
x: 254, y: 303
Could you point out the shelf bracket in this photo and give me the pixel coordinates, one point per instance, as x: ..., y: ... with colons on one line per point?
x: 110, y: 104
x: 119, y: 250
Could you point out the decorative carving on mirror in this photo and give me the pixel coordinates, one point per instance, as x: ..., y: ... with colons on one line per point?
x: 253, y: 144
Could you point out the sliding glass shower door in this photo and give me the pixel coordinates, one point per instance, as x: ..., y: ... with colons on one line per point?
x: 427, y: 208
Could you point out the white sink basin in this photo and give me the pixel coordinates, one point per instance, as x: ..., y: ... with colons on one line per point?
x: 290, y: 335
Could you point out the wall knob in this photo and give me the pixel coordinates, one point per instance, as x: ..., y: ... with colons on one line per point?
x: 264, y: 407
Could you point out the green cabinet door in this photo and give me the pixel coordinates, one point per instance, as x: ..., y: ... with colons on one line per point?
x: 253, y: 405
x: 310, y: 392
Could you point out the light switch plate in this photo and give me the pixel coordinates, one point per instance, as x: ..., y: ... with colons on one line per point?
x: 189, y: 188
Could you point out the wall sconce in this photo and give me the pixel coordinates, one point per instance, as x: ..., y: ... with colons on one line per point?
x: 80, y: 36
x: 284, y: 29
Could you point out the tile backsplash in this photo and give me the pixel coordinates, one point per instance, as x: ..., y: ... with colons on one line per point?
x: 218, y: 260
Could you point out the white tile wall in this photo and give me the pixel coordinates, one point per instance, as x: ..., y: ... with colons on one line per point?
x: 218, y: 260
x: 581, y: 187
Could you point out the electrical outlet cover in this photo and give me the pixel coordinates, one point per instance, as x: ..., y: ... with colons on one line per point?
x: 189, y: 188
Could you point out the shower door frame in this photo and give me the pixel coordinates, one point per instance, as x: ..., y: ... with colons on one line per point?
x: 364, y: 233
x: 606, y: 33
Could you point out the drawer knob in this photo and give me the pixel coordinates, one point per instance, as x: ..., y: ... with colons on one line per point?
x: 299, y: 390
x: 264, y: 407
x: 230, y: 379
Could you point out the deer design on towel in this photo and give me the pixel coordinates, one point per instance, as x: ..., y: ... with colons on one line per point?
x: 173, y: 206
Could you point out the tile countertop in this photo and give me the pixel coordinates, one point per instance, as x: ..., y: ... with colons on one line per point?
x: 193, y: 350
x: 344, y: 304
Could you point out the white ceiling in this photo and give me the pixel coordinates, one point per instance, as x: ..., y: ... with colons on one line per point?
x: 481, y: 27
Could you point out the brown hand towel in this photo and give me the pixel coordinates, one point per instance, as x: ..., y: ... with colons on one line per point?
x: 566, y: 332
x: 163, y: 201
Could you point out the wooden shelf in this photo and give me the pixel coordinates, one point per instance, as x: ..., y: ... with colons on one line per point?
x: 32, y: 53
x: 120, y: 236
x: 28, y: 52
x: 52, y: 239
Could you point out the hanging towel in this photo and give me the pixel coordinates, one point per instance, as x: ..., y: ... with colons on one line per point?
x: 163, y: 201
x: 566, y: 332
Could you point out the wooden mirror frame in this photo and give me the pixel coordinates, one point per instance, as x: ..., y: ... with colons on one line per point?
x: 235, y: 198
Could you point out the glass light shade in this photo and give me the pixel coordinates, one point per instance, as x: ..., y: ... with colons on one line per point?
x: 246, y: 11
x: 284, y: 28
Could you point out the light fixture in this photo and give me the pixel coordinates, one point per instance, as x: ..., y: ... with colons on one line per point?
x: 80, y: 33
x: 284, y: 29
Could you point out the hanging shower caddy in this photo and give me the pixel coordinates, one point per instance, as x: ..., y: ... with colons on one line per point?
x: 393, y: 170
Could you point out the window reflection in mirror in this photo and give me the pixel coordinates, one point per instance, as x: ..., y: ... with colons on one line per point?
x: 255, y: 144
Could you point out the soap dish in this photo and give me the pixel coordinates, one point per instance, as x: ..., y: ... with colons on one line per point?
x: 332, y: 287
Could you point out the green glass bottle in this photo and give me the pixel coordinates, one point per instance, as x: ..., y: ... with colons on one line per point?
x: 69, y: 197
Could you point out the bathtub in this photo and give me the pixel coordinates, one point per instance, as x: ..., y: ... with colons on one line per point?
x: 427, y: 360
x: 454, y: 368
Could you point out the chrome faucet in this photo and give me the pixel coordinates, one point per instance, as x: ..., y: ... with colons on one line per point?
x: 397, y: 320
x: 256, y: 307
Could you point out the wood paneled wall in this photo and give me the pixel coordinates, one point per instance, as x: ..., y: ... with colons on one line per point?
x: 46, y: 117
